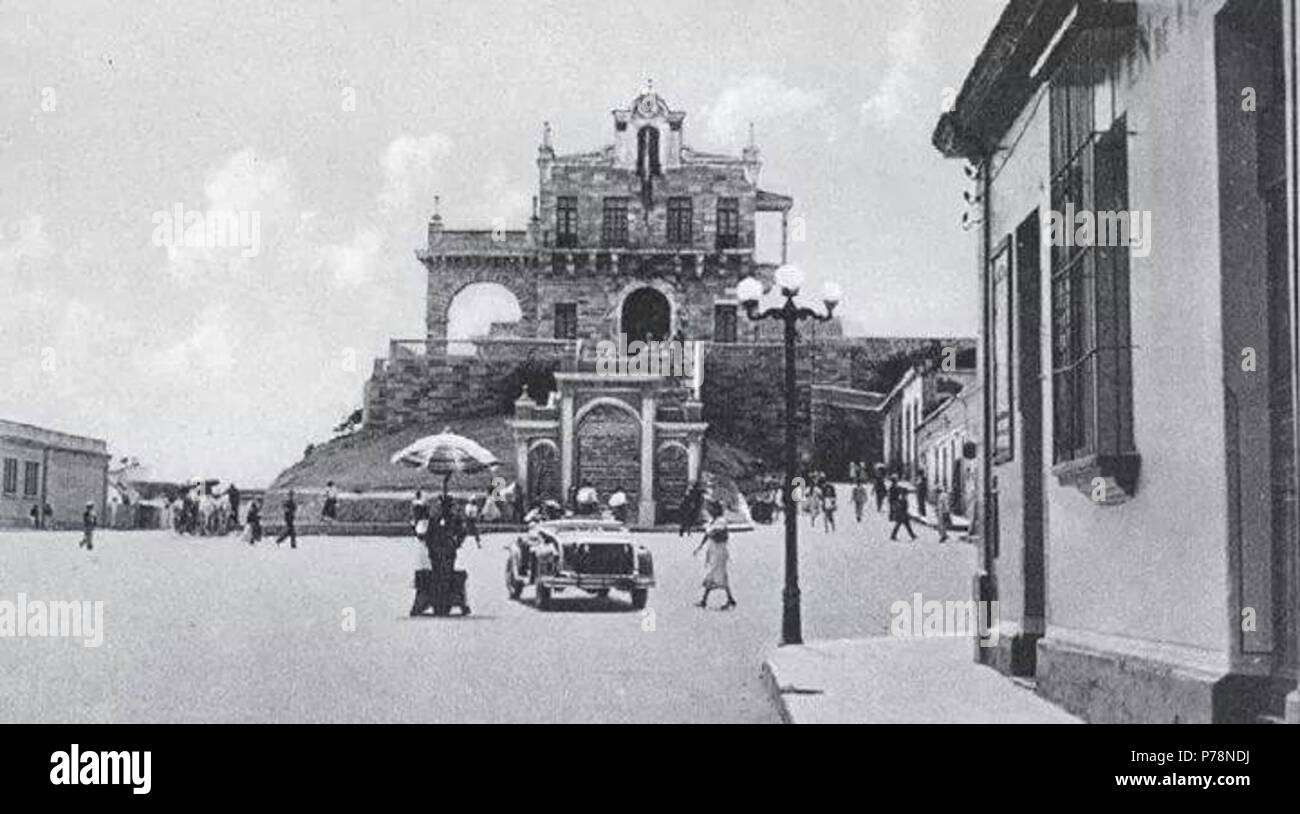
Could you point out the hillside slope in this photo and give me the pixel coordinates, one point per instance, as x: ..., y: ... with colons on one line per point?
x: 360, y: 462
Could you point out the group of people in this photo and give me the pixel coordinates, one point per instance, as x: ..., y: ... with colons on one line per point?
x: 890, y: 491
x: 820, y: 500
x: 202, y: 512
x: 584, y: 501
x: 199, y: 511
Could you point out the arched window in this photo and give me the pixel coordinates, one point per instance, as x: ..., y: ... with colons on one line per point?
x: 647, y: 152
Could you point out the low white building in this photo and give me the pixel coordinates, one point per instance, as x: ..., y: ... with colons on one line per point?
x: 1139, y: 388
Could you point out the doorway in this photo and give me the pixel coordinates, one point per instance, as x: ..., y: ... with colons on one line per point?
x: 646, y: 315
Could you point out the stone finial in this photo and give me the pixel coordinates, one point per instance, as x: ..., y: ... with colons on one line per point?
x: 546, y: 135
x: 435, y: 223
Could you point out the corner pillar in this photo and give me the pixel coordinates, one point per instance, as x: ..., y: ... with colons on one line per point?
x: 646, y: 510
x: 567, y: 449
x: 693, y: 460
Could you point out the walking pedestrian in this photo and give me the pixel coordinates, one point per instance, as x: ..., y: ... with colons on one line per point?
x: 859, y: 498
x: 812, y: 504
x: 232, y: 495
x: 881, y: 491
x: 254, y: 522
x: 829, y: 504
x: 898, y: 513
x: 715, y: 559
x: 290, y: 512
x: 329, y: 507
x: 88, y: 523
x: 922, y: 493
x: 689, y: 510
x: 943, y: 511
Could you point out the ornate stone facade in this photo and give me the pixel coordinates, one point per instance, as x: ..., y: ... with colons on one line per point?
x: 645, y: 238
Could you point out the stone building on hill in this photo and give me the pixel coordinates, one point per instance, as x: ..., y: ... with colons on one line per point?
x: 643, y: 240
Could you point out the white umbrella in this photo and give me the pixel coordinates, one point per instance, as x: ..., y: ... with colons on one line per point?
x: 446, y: 454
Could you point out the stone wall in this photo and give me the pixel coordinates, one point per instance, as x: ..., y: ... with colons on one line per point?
x: 748, y: 407
x: 415, y: 389
x: 742, y: 391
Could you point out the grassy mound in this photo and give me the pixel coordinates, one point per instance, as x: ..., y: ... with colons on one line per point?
x: 359, y: 463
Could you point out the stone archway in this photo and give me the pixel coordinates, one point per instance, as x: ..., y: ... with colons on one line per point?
x: 646, y: 313
x: 672, y: 471
x: 544, y: 472
x: 481, y: 309
x: 447, y: 281
x: 609, y: 451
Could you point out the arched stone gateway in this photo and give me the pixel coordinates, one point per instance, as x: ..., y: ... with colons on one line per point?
x: 609, y: 451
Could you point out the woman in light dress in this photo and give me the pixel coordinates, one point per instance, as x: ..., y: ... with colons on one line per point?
x: 715, y: 558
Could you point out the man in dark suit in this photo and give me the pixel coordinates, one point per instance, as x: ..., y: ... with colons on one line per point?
x: 290, y: 513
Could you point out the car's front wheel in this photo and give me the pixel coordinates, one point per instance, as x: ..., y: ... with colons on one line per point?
x: 639, y: 597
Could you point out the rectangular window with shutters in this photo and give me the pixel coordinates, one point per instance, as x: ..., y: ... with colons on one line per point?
x: 724, y: 323
x: 679, y: 220
x: 1091, y: 358
x: 11, y: 476
x: 566, y: 221
x: 566, y: 320
x: 728, y: 223
x: 613, y: 229
x: 31, y: 478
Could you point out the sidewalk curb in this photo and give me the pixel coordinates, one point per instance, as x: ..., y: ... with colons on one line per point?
x: 774, y: 693
x: 893, y: 680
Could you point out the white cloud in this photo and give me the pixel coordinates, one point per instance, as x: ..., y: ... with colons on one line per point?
x: 249, y: 181
x: 208, y: 350
x: 246, y: 183
x: 352, y: 263
x: 409, y: 165
x: 896, y: 90
x: 760, y: 98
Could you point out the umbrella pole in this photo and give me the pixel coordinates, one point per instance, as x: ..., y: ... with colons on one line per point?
x: 445, y: 479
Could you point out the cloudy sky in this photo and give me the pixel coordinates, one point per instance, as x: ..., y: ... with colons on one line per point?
x: 338, y: 122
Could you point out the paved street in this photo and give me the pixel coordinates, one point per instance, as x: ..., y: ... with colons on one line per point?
x: 211, y: 630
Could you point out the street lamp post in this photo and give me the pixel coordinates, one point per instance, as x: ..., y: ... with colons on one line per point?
x: 788, y: 280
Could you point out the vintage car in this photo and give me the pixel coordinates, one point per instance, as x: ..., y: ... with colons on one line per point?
x: 592, y: 555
